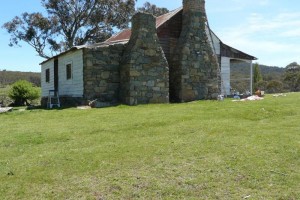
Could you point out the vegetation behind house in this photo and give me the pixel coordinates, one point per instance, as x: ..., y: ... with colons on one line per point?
x: 10, y: 77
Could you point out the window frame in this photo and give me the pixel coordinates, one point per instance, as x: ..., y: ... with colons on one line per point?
x: 47, y: 75
x: 69, y: 71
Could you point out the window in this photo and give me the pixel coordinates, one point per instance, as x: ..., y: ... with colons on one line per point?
x: 69, y: 71
x: 47, y: 75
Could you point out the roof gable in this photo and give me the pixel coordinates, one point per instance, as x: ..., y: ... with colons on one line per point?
x: 163, y: 19
x: 160, y: 20
x: 124, y: 36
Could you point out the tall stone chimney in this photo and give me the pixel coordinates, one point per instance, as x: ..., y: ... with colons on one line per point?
x: 144, y: 70
x: 195, y: 67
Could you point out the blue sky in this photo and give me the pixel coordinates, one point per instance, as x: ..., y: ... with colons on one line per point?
x: 266, y: 29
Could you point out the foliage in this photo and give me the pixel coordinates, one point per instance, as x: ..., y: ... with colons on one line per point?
x: 292, y: 77
x: 292, y: 66
x: 261, y: 85
x: 257, y: 77
x: 274, y: 87
x: 199, y: 150
x: 23, y: 92
x: 9, y: 77
x: 69, y: 23
x: 292, y: 81
x: 153, y: 9
x: 4, y: 99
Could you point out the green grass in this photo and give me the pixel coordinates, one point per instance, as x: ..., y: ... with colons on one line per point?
x: 198, y: 150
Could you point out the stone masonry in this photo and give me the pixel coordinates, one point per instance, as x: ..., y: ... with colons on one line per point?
x: 102, y: 72
x: 144, y: 68
x: 194, y: 73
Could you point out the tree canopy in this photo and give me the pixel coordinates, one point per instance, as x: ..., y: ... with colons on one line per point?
x: 153, y: 9
x: 292, y: 77
x: 257, y: 76
x: 69, y: 23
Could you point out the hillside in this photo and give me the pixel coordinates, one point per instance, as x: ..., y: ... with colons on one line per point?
x: 241, y: 71
x: 9, y: 77
x: 272, y: 72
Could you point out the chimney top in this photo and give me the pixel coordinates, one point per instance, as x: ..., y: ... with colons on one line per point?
x: 194, y: 6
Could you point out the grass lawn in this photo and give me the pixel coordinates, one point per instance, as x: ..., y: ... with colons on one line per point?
x: 198, y: 150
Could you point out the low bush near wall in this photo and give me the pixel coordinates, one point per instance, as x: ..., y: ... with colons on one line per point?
x: 23, y: 93
x: 4, y: 99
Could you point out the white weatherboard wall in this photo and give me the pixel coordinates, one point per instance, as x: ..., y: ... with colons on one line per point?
x: 74, y: 86
x: 50, y: 85
x: 225, y: 75
x: 214, y: 41
x: 225, y: 62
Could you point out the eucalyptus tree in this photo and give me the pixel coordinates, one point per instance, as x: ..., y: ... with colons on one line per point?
x: 153, y: 9
x: 292, y: 77
x: 67, y: 23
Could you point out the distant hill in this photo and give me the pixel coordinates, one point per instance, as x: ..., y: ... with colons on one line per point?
x: 268, y: 72
x: 9, y: 77
x: 241, y: 71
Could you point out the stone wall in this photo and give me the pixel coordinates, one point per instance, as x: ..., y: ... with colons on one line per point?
x: 144, y: 68
x: 102, y: 73
x: 194, y: 73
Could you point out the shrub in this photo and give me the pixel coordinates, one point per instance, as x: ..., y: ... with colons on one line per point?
x: 274, y: 87
x: 262, y: 85
x: 23, y: 92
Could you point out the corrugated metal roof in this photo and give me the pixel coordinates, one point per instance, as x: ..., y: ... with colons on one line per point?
x: 125, y: 34
x: 229, y: 51
x: 88, y: 46
x: 160, y: 20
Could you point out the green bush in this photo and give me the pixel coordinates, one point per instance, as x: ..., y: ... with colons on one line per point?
x: 23, y: 92
x: 274, y: 87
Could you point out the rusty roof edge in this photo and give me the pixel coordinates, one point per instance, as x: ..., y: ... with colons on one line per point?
x: 101, y: 44
x: 117, y: 34
x: 253, y: 58
x: 170, y: 15
x: 53, y: 57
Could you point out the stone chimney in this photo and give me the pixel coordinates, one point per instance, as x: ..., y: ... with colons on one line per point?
x: 194, y: 6
x: 195, y: 66
x: 144, y: 69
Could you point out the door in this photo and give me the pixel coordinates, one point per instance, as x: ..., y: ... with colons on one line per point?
x: 56, y: 74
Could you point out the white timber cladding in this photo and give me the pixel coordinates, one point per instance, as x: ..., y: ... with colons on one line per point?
x: 214, y: 41
x: 72, y: 87
x: 46, y: 86
x: 225, y: 75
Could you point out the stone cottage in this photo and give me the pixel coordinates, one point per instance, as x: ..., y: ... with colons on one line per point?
x: 172, y: 58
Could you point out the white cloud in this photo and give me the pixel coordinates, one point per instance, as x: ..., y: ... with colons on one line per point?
x: 273, y: 39
x: 247, y: 3
x: 291, y: 33
x: 263, y: 2
x: 230, y: 6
